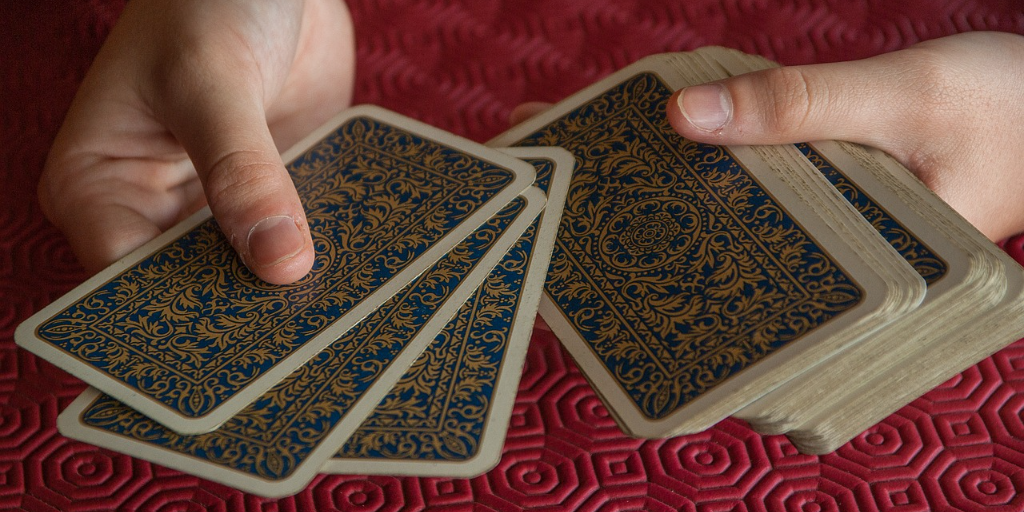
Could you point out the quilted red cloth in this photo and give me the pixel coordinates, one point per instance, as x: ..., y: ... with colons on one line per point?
x: 462, y: 65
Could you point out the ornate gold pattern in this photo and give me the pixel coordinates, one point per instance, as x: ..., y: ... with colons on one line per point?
x: 728, y: 282
x: 190, y: 325
x: 439, y: 409
x: 649, y: 234
x: 272, y: 436
x: 927, y: 264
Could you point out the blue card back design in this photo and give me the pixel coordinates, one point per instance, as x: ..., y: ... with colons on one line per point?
x: 927, y: 264
x: 190, y: 326
x: 440, y: 408
x: 275, y: 434
x: 672, y: 262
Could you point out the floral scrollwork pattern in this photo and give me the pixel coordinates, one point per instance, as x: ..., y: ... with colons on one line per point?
x: 189, y: 325
x: 672, y: 262
x: 439, y: 409
x: 272, y: 436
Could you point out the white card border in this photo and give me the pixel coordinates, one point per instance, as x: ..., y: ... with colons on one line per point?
x: 721, y: 401
x: 25, y: 334
x: 488, y: 452
x: 69, y: 421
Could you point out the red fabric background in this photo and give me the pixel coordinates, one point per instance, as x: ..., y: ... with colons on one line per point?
x: 462, y: 65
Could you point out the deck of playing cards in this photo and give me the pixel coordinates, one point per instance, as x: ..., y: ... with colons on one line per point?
x: 809, y: 289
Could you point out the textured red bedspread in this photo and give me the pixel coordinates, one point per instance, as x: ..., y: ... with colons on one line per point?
x: 462, y: 65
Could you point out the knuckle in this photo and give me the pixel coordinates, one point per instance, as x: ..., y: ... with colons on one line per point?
x: 46, y: 193
x: 790, y: 95
x: 193, y: 65
x: 176, y: 75
x: 55, y: 190
x: 934, y: 83
x: 66, y: 190
x: 240, y: 179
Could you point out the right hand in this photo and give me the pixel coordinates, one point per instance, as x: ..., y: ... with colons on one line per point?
x: 190, y: 102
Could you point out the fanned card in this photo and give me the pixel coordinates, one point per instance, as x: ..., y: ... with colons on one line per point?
x: 448, y: 415
x: 181, y: 331
x: 687, y: 280
x: 277, y: 444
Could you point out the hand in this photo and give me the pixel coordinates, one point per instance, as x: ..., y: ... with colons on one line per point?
x: 951, y: 110
x: 190, y: 102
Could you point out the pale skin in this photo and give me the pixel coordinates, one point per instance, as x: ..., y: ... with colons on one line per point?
x: 951, y: 110
x: 190, y: 102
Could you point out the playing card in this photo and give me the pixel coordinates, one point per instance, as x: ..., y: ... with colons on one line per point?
x: 275, y: 446
x: 687, y: 279
x: 970, y: 282
x: 933, y: 345
x: 448, y: 415
x: 184, y: 333
x: 905, y: 236
x: 956, y: 272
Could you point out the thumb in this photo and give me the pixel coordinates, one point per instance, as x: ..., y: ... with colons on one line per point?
x: 223, y: 129
x: 860, y: 101
x: 947, y: 109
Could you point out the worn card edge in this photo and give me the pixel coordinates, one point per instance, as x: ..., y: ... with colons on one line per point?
x: 711, y: 410
x: 69, y: 422
x: 25, y: 334
x: 492, y: 439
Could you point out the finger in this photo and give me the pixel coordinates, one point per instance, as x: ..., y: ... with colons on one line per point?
x: 870, y: 101
x: 936, y: 107
x: 100, y: 233
x: 527, y: 110
x: 218, y: 117
x: 108, y: 207
x: 113, y: 179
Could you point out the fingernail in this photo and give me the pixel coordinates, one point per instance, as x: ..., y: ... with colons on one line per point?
x: 707, y: 107
x: 273, y: 240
